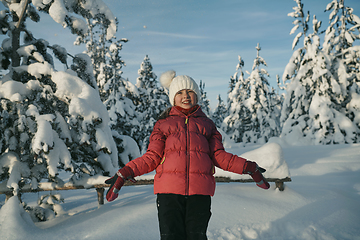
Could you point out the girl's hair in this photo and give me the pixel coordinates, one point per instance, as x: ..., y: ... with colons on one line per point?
x: 164, y: 114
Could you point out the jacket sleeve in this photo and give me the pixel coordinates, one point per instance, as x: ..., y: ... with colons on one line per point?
x: 222, y: 159
x: 151, y: 159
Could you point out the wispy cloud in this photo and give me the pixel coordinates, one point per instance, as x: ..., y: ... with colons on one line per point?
x: 174, y: 35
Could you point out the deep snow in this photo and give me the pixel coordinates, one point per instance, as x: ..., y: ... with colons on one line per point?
x: 321, y: 202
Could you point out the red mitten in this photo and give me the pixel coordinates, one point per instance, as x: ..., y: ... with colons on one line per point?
x: 260, y: 180
x: 117, y: 181
x: 255, y: 171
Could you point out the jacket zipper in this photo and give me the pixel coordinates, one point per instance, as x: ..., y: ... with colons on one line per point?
x: 187, y: 156
x: 187, y: 153
x: 163, y: 160
x: 162, y: 170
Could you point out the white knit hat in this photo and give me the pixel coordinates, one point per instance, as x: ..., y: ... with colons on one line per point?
x: 175, y: 84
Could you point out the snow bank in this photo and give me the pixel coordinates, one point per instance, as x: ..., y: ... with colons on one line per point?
x: 15, y: 223
x: 269, y: 156
x: 322, y: 202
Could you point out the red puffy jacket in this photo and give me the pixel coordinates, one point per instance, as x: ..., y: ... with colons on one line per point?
x: 184, y: 150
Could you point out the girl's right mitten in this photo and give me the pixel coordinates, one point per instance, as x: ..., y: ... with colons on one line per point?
x: 117, y: 181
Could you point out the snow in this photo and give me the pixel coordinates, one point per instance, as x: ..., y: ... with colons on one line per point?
x: 13, y: 90
x: 35, y: 69
x: 268, y: 156
x: 321, y: 202
x: 61, y: 12
x: 85, y: 102
x: 131, y: 148
x: 16, y: 169
x: 57, y: 11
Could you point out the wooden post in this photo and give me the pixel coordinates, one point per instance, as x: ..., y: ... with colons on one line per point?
x: 8, y: 195
x: 279, y: 185
x: 100, y: 194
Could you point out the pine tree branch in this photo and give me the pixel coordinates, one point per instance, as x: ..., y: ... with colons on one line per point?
x: 22, y: 14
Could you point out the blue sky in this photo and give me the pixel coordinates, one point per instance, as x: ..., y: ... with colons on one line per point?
x: 202, y: 38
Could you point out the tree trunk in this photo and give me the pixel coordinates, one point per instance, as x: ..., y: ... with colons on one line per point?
x: 15, y: 43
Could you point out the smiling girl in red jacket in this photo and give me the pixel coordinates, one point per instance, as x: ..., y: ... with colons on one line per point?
x: 184, y: 149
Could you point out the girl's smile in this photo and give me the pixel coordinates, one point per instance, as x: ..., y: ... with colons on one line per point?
x: 185, y: 98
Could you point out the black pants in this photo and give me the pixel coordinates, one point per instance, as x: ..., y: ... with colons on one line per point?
x: 183, y: 217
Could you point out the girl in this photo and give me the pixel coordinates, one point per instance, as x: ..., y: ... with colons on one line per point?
x: 184, y: 148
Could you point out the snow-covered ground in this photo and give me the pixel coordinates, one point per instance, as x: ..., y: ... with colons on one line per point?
x: 321, y: 202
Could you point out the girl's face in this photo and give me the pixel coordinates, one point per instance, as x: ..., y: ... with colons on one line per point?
x: 185, y: 98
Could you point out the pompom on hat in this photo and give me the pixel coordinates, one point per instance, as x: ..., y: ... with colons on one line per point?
x: 178, y: 83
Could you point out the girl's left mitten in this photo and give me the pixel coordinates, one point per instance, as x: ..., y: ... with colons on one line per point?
x: 255, y: 172
x: 260, y: 180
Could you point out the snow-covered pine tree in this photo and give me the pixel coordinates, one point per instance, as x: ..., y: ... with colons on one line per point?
x: 147, y: 78
x: 275, y: 103
x: 219, y: 113
x: 123, y: 118
x: 152, y: 102
x: 262, y: 125
x: 343, y: 28
x: 339, y: 40
x: 312, y: 111
x: 118, y: 94
x: 51, y: 120
x: 204, y: 102
x: 295, y: 102
x: 237, y: 113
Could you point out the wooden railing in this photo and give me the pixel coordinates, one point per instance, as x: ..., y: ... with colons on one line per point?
x: 100, y: 188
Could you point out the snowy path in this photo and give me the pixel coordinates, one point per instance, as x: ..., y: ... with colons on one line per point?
x: 322, y: 202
